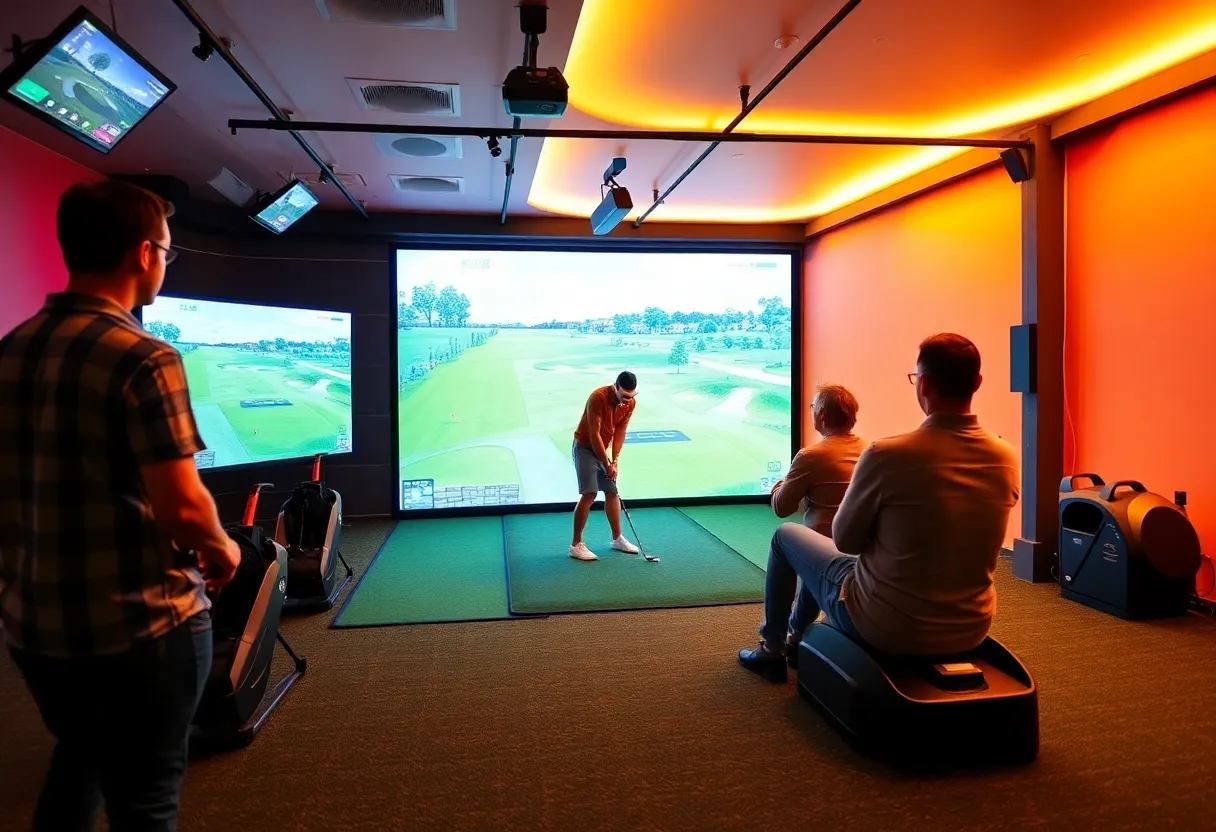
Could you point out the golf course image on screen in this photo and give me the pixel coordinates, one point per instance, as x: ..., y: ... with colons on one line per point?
x: 497, y: 352
x: 266, y: 383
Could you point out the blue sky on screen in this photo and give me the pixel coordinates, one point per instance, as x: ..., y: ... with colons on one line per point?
x: 533, y: 287
x: 123, y: 72
x: 214, y: 322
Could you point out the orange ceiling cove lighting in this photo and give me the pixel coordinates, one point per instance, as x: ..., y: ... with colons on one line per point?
x: 683, y: 83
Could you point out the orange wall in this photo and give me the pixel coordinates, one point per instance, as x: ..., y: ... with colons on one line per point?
x: 947, y: 261
x: 33, y: 179
x: 1141, y: 317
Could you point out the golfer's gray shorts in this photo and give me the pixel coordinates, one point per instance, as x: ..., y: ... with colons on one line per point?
x: 591, y: 477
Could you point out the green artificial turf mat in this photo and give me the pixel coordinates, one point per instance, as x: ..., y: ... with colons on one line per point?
x: 746, y: 529
x: 433, y: 571
x: 695, y: 568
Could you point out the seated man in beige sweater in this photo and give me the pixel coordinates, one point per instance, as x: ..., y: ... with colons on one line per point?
x: 820, y: 472
x: 914, y: 545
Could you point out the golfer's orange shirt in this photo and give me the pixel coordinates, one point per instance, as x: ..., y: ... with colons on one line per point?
x: 602, y: 403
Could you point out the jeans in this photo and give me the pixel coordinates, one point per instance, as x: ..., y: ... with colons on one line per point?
x: 121, y: 725
x: 798, y: 552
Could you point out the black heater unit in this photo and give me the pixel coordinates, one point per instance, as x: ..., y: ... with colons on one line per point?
x: 1125, y: 550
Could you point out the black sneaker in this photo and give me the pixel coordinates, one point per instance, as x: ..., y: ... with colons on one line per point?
x: 769, y: 665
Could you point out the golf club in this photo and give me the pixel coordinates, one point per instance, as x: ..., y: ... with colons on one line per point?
x: 649, y: 557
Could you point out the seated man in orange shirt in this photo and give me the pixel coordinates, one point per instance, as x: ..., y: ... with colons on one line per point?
x: 909, y: 567
x: 819, y: 473
x: 602, y: 426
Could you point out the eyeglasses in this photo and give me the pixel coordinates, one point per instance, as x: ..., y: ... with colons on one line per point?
x: 170, y: 253
x: 912, y: 377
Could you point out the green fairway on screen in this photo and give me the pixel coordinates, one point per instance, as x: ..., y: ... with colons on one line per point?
x: 497, y: 352
x: 265, y: 383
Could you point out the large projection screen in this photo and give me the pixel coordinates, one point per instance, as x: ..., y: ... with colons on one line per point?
x: 498, y: 351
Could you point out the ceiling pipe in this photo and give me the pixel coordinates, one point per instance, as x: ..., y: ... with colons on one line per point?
x: 628, y: 135
x: 531, y: 44
x: 506, y: 191
x: 844, y: 12
x: 218, y: 44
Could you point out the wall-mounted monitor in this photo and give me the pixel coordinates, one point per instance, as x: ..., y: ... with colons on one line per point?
x: 498, y: 350
x: 85, y: 80
x: 266, y: 383
x: 280, y: 210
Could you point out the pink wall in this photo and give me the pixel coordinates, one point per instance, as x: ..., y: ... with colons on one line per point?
x: 33, y: 179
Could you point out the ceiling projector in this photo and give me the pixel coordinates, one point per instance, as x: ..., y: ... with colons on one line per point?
x: 532, y: 91
x: 535, y: 92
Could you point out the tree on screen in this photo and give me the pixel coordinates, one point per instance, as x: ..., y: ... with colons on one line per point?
x: 171, y: 333
x: 100, y: 61
x: 452, y: 307
x: 406, y: 315
x: 678, y: 355
x: 623, y: 324
x: 424, y: 299
x: 776, y: 318
x: 655, y: 318
x: 156, y: 329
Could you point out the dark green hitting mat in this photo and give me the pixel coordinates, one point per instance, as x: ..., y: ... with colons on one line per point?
x: 430, y: 571
x: 695, y: 568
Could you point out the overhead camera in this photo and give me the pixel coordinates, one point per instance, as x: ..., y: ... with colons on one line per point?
x: 617, y: 166
x: 495, y: 150
x: 206, y: 48
x: 615, y: 204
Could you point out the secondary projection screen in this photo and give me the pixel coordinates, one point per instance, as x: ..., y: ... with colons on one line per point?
x: 266, y: 383
x: 497, y: 352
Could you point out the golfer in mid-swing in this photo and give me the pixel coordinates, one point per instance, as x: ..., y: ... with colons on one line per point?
x: 603, y: 424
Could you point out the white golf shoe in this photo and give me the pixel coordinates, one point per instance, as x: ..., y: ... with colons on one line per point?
x: 579, y: 551
x: 623, y: 545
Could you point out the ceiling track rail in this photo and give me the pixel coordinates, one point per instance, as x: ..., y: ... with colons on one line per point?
x: 500, y: 132
x: 211, y: 37
x: 749, y: 106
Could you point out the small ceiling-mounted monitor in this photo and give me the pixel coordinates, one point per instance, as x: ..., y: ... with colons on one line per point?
x: 85, y: 80
x: 280, y: 210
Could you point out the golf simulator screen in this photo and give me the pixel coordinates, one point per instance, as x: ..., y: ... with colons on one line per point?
x: 265, y: 383
x: 87, y: 82
x: 497, y: 352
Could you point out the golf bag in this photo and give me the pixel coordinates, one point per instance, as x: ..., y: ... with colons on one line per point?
x: 309, y: 528
x: 245, y: 625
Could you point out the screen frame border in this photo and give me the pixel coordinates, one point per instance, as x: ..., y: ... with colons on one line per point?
x: 667, y: 246
x: 138, y: 313
x: 265, y: 202
x: 24, y: 63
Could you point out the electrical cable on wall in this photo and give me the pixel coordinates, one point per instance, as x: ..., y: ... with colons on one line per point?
x: 264, y: 257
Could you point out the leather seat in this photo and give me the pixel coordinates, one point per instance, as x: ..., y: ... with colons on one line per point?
x: 973, y: 708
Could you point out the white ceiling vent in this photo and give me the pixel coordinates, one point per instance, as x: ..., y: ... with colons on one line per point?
x: 408, y: 97
x: 418, y: 147
x: 428, y: 184
x: 350, y: 180
x: 414, y: 14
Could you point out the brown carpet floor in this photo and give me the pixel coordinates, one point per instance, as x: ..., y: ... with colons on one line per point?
x: 644, y: 721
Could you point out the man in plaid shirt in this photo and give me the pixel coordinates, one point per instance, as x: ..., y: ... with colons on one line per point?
x: 108, y: 538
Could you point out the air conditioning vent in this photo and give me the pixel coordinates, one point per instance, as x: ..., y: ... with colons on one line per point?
x: 418, y: 147
x: 350, y: 180
x: 428, y: 184
x: 413, y: 14
x: 407, y: 97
